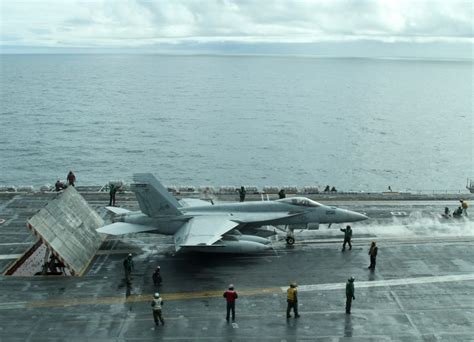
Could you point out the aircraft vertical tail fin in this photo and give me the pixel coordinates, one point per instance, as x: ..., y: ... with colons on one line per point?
x: 153, y: 199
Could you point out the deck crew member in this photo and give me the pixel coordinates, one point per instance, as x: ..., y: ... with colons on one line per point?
x: 464, y: 206
x: 128, y: 267
x: 347, y: 237
x: 156, y: 305
x: 446, y: 214
x: 242, y: 193
x: 349, y: 294
x: 157, y: 276
x: 112, y: 193
x: 58, y: 186
x: 458, y: 212
x: 281, y: 194
x: 230, y: 295
x: 71, y: 178
x: 292, y: 300
x: 373, y: 255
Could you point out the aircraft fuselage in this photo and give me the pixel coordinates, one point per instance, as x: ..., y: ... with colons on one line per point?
x: 253, y: 214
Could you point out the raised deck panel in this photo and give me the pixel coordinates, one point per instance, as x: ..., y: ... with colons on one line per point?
x: 67, y: 226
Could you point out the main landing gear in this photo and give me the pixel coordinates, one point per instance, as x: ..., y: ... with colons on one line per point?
x: 290, y: 237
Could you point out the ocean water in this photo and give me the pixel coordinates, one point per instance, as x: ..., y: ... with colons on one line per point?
x: 357, y: 124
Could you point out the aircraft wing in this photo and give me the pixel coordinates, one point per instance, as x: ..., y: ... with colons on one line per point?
x: 193, y: 202
x: 117, y: 210
x: 203, y: 231
x: 121, y: 228
x: 263, y: 217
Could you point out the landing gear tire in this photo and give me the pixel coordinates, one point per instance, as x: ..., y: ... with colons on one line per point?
x: 290, y: 240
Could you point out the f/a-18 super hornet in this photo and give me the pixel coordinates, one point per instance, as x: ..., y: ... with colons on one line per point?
x: 198, y: 225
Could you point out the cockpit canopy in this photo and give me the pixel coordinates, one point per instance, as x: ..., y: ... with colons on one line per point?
x: 300, y: 201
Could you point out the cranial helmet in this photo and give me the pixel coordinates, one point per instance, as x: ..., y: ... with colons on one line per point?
x: 157, y: 295
x: 231, y: 286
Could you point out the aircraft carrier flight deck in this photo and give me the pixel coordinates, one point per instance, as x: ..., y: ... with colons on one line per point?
x: 421, y: 288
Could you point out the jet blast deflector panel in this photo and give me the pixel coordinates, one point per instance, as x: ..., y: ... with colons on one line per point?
x: 67, y: 226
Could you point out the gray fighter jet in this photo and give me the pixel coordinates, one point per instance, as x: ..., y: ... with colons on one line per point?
x: 198, y: 225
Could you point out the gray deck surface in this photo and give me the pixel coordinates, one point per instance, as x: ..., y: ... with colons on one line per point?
x: 421, y: 290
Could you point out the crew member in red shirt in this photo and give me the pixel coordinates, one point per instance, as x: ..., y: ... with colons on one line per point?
x: 230, y: 295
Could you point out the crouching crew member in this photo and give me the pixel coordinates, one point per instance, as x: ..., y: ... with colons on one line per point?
x: 281, y: 194
x: 58, y: 186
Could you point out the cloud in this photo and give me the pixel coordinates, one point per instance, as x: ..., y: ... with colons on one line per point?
x: 128, y: 23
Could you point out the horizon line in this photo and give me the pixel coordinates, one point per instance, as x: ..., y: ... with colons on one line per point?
x: 96, y: 51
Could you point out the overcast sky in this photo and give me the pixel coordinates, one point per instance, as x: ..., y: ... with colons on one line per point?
x: 218, y: 24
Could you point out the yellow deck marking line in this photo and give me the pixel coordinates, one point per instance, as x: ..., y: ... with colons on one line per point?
x: 244, y: 292
x: 146, y: 298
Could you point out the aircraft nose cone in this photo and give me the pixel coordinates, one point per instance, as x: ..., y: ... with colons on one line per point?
x: 358, y: 216
x: 352, y: 216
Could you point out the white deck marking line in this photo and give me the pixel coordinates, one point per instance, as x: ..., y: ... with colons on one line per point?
x: 14, y: 305
x: 10, y: 256
x: 414, y: 239
x: 117, y: 251
x: 388, y: 282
